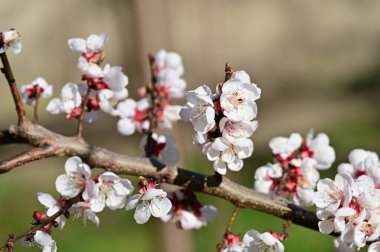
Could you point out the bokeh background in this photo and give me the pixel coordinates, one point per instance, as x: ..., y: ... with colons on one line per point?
x: 317, y: 63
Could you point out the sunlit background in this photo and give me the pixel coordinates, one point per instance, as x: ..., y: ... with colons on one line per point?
x: 317, y: 63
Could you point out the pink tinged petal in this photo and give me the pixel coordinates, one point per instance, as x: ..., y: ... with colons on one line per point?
x: 326, y: 226
x: 160, y: 207
x: 142, y: 214
x: 77, y: 44
x: 126, y: 127
x: 132, y: 201
x: 46, y: 199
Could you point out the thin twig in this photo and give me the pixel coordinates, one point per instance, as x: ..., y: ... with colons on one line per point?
x: 7, y: 71
x: 28, y: 156
x: 221, y: 243
x: 232, y: 219
x: 51, y: 219
x: 152, y: 114
x: 229, y: 71
x: 35, y: 107
x: 82, y: 112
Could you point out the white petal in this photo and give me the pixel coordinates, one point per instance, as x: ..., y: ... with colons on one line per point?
x: 142, y: 214
x: 132, y: 202
x: 46, y: 199
x: 160, y: 207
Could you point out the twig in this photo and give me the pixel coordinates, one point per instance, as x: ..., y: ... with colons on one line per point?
x: 229, y: 71
x: 28, y: 156
x: 152, y: 114
x: 7, y: 138
x: 82, y: 112
x: 232, y: 219
x: 220, y: 244
x: 7, y: 71
x: 35, y: 107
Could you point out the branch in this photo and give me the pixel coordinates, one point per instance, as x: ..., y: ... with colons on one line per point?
x: 215, y: 185
x: 28, y: 156
x: 7, y: 71
x: 7, y: 138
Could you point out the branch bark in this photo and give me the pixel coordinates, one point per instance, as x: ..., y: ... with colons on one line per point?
x: 55, y: 144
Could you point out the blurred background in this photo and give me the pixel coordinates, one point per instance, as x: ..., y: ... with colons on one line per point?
x: 317, y: 63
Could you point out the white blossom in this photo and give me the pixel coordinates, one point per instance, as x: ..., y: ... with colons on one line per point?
x: 255, y: 241
x: 42, y: 240
x: 133, y: 116
x: 322, y: 152
x: 238, y: 98
x: 231, y: 130
x: 111, y: 191
x: 284, y: 146
x: 226, y: 155
x: 53, y: 206
x: 68, y: 103
x: 82, y: 210
x: 10, y: 38
x: 93, y: 43
x: 199, y: 109
x: 152, y: 202
x: 76, y: 179
x: 362, y: 162
x: 38, y: 88
x: 188, y: 213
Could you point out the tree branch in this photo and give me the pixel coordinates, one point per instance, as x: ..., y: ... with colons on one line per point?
x: 28, y: 156
x: 7, y: 71
x: 216, y: 185
x: 7, y: 138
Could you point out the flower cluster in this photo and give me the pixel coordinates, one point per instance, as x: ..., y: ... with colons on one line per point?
x: 91, y: 196
x: 224, y: 121
x: 103, y: 88
x: 254, y: 241
x: 362, y: 162
x: 350, y: 207
x: 187, y: 212
x: 10, y: 38
x: 39, y: 88
x: 150, y: 201
x: 155, y: 108
x: 294, y: 173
